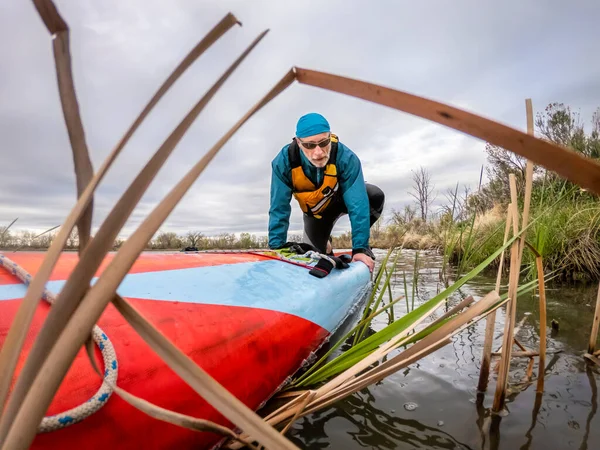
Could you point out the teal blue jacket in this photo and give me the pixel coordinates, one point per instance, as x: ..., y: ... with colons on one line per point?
x: 352, y: 186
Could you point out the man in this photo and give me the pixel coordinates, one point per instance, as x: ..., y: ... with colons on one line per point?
x: 326, y: 179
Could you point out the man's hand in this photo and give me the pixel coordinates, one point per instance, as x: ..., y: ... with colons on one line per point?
x: 365, y: 259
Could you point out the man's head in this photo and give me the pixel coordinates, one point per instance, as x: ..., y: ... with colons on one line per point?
x: 314, y: 138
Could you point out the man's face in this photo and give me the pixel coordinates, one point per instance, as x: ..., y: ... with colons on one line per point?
x: 318, y: 155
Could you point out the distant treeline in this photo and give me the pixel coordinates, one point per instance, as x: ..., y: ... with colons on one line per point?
x: 164, y: 240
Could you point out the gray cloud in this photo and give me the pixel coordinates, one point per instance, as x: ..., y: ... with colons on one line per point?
x: 483, y: 58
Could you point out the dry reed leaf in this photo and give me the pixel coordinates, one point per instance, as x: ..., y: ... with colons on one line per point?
x: 16, y: 336
x: 189, y: 371
x: 528, y: 178
x: 519, y: 326
x: 297, y: 398
x: 159, y: 413
x: 443, y: 332
x: 289, y: 394
x: 500, y: 393
x: 377, y: 354
x: 81, y: 157
x: 592, y: 358
x: 486, y: 359
x: 523, y: 354
x: 518, y: 344
x: 427, y: 345
x: 595, y: 326
x: 529, y: 371
x: 75, y: 333
x: 50, y: 16
x: 310, y: 395
x: 322, y: 360
x: 542, y: 295
x: 454, y: 310
x: 326, y: 397
x: 393, y: 367
x: 565, y: 162
x: 85, y: 269
x: 35, y: 237
x: 284, y: 414
x: 347, y: 390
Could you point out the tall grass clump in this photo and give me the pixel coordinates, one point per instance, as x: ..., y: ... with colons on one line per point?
x: 566, y: 218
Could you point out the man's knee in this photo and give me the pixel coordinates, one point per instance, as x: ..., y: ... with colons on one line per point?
x: 376, y: 200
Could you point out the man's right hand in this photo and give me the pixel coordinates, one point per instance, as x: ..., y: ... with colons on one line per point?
x: 366, y: 259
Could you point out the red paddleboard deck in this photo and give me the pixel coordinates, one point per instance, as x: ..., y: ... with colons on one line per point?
x: 248, y: 320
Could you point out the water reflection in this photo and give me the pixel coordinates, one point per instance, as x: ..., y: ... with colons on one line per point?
x: 451, y: 414
x: 593, y: 409
x: 534, y: 419
x: 370, y: 427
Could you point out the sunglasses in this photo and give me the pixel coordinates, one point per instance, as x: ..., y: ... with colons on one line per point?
x: 312, y: 145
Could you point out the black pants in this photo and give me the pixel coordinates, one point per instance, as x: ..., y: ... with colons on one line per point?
x: 317, y: 231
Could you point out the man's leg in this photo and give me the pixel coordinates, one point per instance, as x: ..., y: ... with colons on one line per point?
x: 318, y: 231
x: 376, y: 201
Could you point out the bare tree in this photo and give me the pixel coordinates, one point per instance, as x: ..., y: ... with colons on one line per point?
x: 73, y: 239
x: 457, y: 207
x: 166, y: 240
x: 405, y: 217
x: 422, y: 191
x: 376, y: 228
x: 118, y: 243
x: 5, y: 237
x: 194, y: 238
x: 44, y: 241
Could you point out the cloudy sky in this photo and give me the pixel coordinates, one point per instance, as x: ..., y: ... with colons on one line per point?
x: 486, y: 57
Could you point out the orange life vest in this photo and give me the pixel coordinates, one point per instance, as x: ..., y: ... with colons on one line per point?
x: 313, y: 199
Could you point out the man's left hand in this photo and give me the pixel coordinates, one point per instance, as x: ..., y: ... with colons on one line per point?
x: 365, y: 259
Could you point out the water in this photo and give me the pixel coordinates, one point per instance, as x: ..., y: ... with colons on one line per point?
x: 433, y: 404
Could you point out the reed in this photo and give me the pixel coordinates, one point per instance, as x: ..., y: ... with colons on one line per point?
x: 363, y: 374
x: 491, y: 319
x: 398, y: 329
x: 415, y: 280
x: 378, y: 290
x: 513, y: 290
x: 595, y: 326
x: 15, y: 338
x: 542, y: 331
x: 37, y: 397
x: 83, y: 304
x: 511, y: 310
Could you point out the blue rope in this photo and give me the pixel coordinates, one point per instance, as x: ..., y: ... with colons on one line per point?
x: 109, y: 358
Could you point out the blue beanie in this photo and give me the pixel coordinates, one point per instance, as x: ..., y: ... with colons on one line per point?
x: 311, y: 124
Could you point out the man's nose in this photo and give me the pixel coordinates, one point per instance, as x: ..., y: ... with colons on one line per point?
x: 319, y: 152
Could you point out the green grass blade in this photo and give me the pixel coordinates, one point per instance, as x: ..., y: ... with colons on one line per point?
x: 415, y: 278
x: 334, y: 347
x: 405, y: 291
x: 377, y: 282
x: 382, y: 290
x: 368, y: 345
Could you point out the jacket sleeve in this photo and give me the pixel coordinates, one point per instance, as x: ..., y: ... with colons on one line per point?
x: 281, y: 195
x: 356, y: 199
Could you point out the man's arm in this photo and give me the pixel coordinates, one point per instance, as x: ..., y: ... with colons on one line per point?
x: 280, y: 209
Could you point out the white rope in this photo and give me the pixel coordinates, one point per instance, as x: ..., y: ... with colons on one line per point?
x: 109, y: 357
